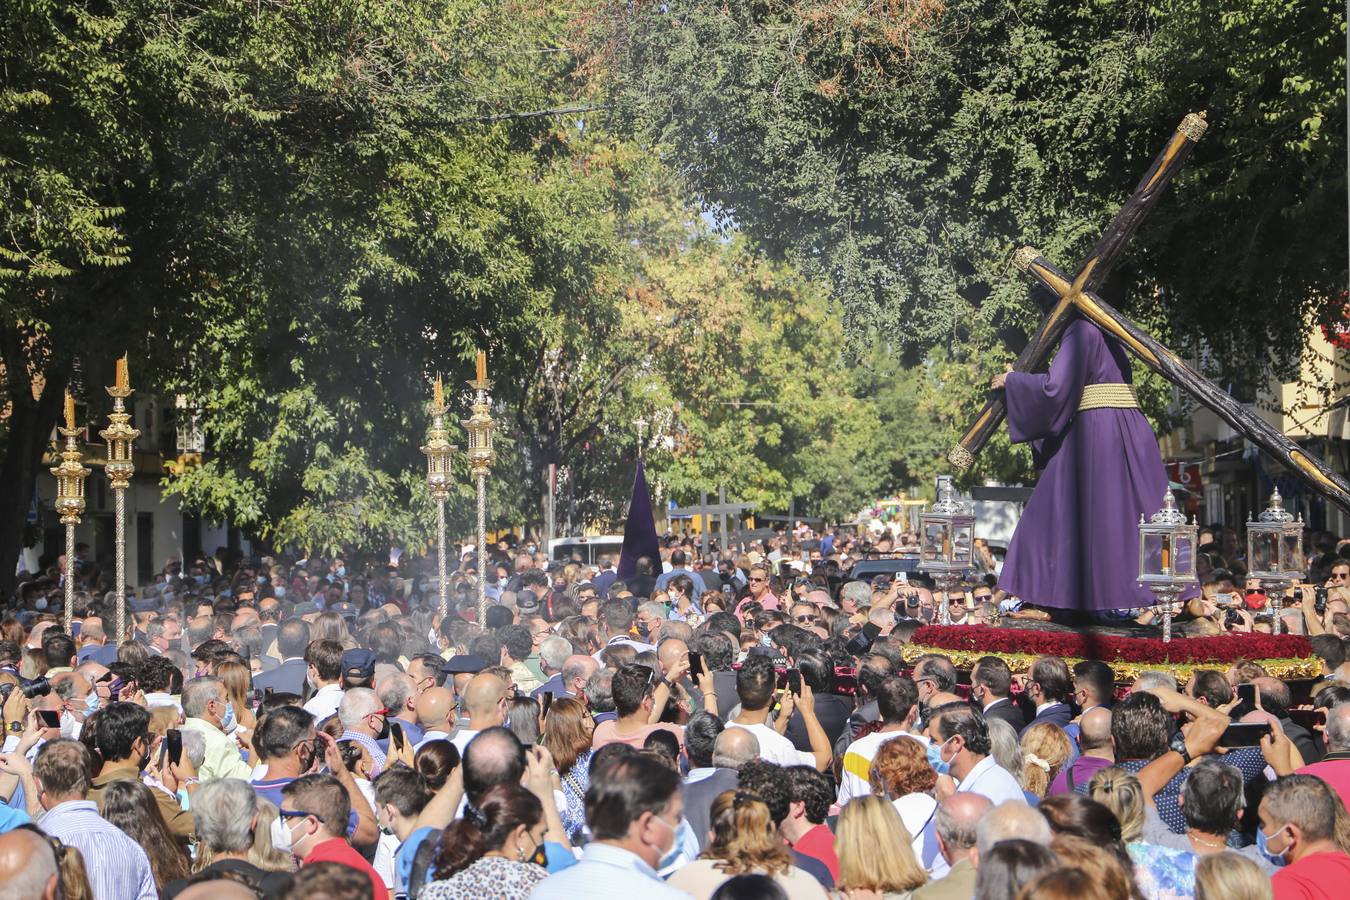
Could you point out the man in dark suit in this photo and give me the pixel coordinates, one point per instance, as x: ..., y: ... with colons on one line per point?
x: 733, y: 748
x: 289, y: 677
x: 990, y: 688
x: 1047, y: 685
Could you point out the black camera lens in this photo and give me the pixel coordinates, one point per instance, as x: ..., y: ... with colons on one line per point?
x: 38, y: 687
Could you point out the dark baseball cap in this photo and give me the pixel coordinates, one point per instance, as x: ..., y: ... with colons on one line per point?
x: 463, y: 662
x: 346, y: 610
x: 359, y: 663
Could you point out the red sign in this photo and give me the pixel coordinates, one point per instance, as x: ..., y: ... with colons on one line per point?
x: 1185, y: 474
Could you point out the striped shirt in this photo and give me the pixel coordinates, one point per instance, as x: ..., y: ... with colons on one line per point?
x: 118, y: 868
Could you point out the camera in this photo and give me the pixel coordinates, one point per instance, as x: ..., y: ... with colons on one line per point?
x: 1320, y: 599
x: 36, y: 687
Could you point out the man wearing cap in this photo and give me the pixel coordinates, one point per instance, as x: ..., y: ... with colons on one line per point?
x: 358, y: 668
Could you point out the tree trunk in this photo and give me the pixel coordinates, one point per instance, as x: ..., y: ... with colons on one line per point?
x: 29, y: 432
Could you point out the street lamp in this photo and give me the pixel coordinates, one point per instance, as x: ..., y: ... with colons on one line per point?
x: 438, y: 450
x: 1275, y: 552
x: 1167, y: 557
x: 480, y: 427
x: 948, y: 542
x: 70, y: 475
x: 120, y: 438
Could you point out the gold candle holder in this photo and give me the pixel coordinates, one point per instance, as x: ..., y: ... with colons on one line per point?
x: 70, y: 475
x: 121, y: 439
x: 438, y: 450
x: 480, y: 427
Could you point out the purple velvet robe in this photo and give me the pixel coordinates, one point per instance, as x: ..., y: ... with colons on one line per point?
x: 1077, y: 544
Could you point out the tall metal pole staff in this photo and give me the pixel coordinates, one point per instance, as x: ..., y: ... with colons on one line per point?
x: 480, y: 427
x: 120, y: 438
x: 70, y: 475
x: 438, y: 451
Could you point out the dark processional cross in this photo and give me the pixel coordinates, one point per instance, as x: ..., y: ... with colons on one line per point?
x: 1077, y: 296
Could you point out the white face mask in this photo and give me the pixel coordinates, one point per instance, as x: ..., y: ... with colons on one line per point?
x: 40, y: 603
x: 281, y: 835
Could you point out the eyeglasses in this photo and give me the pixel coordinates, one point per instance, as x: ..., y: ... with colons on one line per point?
x: 806, y: 619
x: 295, y: 814
x: 754, y: 579
x: 1341, y: 576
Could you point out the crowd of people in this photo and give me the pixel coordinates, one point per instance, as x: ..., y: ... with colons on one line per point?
x: 732, y: 726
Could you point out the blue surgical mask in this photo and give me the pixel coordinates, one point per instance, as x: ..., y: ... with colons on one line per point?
x: 91, y: 703
x: 40, y: 603
x: 341, y: 571
x: 202, y: 579
x: 1276, y: 859
x: 279, y: 592
x: 934, y: 752
x: 228, y: 722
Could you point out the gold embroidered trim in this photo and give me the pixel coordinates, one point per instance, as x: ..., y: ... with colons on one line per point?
x: 1108, y: 396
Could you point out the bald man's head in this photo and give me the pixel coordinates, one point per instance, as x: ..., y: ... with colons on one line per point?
x: 671, y: 653
x: 957, y: 819
x: 434, y: 708
x: 483, y: 697
x: 1094, y: 729
x: 734, y: 747
x: 27, y: 866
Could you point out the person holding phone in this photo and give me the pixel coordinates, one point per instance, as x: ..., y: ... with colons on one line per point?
x: 122, y: 735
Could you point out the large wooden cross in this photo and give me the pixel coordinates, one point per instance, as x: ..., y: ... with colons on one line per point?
x: 1076, y: 296
x: 1091, y: 275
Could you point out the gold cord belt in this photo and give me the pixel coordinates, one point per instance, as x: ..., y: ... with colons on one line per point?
x: 1108, y: 396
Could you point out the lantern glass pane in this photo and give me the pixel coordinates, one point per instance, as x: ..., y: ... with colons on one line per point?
x: 1184, y: 565
x: 1151, y: 552
x: 1292, y: 560
x: 1264, y: 551
x: 962, y: 549
x: 935, y: 541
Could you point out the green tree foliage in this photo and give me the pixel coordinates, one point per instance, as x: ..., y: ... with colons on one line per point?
x: 903, y: 149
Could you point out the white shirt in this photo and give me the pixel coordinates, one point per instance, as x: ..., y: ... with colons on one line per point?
x: 606, y: 872
x: 856, y: 780
x: 639, y: 646
x: 775, y: 748
x: 429, y: 736
x: 325, y: 702
x: 462, y: 738
x: 989, y: 779
x: 919, y: 813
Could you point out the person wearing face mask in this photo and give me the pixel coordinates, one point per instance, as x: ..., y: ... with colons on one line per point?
x: 400, y: 796
x: 312, y: 826
x: 991, y: 689
x: 634, y: 810
x: 79, y: 701
x: 960, y: 748
x: 496, y: 849
x: 1297, y: 833
x: 122, y: 735
x: 365, y: 720
x: 289, y: 747
x: 210, y: 712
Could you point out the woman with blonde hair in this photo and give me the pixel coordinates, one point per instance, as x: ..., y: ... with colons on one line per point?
x: 744, y: 840
x: 238, y: 681
x: 1045, y: 750
x: 1161, y: 872
x: 1230, y: 876
x: 875, y: 851
x: 568, y: 730
x: 901, y: 773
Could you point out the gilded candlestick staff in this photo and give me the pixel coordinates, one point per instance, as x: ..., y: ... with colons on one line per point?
x: 438, y: 451
x: 480, y: 427
x: 70, y: 475
x: 121, y: 440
